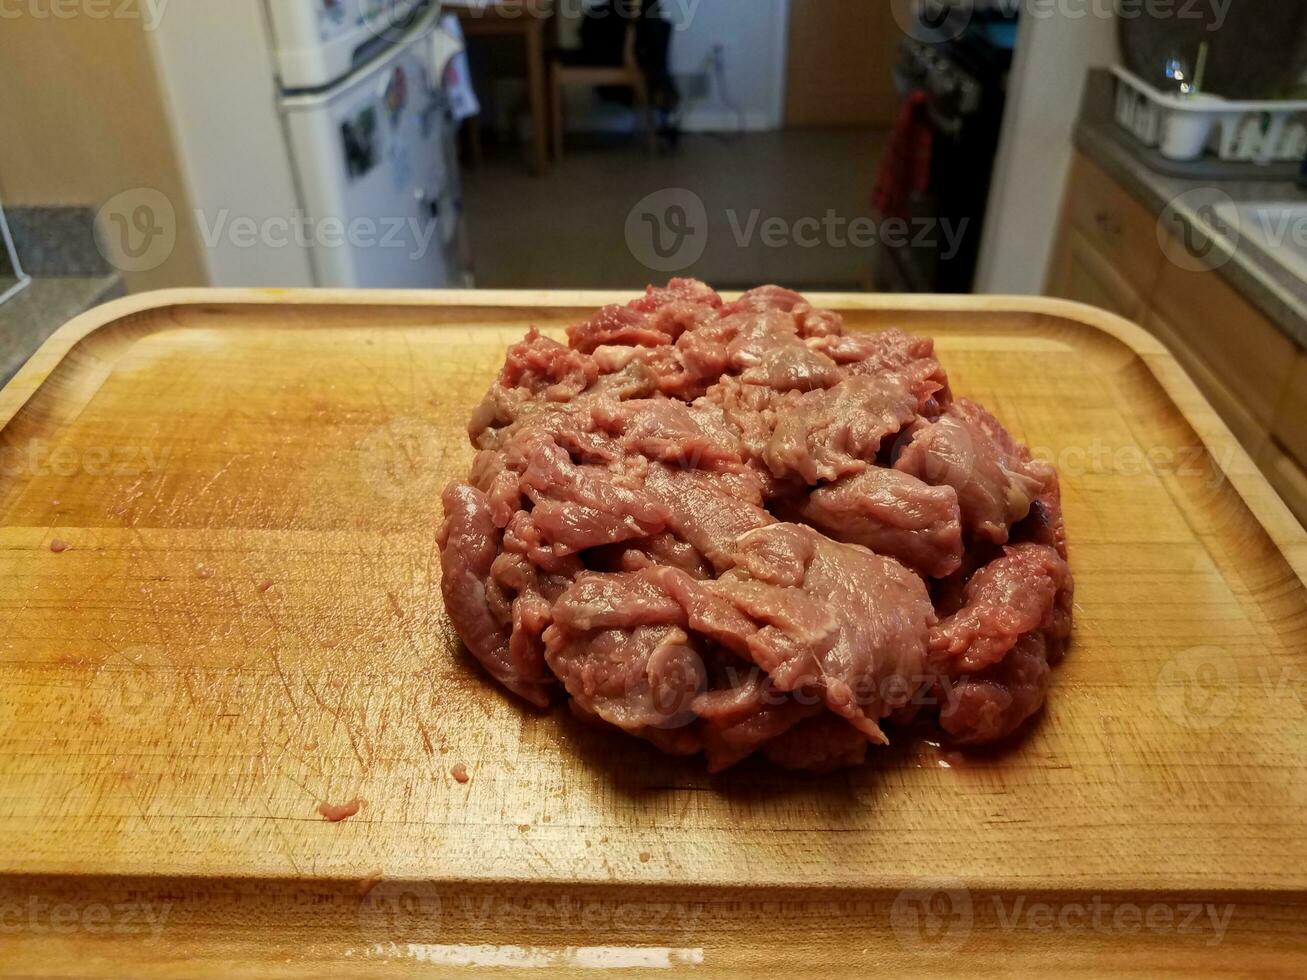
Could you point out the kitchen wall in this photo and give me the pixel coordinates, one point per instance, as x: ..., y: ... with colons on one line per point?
x: 752, y: 34
x: 1048, y: 74
x: 82, y: 119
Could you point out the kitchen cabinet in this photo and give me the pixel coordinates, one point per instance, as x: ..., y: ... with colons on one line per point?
x: 1082, y: 273
x: 1114, y: 223
x: 1109, y: 255
x: 1250, y: 354
x: 1290, y: 427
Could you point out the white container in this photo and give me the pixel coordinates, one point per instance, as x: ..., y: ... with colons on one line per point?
x: 1183, y: 126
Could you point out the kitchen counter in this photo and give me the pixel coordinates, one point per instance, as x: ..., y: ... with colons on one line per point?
x: 46, y: 304
x: 69, y: 276
x: 1276, y: 292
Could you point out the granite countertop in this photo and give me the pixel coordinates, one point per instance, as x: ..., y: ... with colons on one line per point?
x: 56, y: 246
x: 1275, y: 291
x: 43, y: 307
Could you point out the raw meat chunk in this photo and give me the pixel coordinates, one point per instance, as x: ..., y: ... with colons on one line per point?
x: 892, y: 514
x: 1010, y: 597
x: 469, y: 543
x: 824, y: 435
x: 821, y: 744
x: 992, y: 704
x: 967, y: 449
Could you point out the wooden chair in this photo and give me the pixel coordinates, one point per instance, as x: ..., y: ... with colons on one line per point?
x: 626, y: 75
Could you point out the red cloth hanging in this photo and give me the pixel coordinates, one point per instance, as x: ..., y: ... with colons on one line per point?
x: 905, y: 169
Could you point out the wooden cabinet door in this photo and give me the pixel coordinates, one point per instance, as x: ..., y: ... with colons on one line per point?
x: 1251, y: 355
x: 1080, y: 273
x: 1291, y: 417
x: 841, y: 59
x: 1251, y: 433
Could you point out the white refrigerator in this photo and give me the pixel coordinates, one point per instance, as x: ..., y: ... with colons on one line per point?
x: 316, y: 141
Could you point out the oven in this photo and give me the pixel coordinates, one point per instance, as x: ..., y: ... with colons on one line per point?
x: 962, y: 89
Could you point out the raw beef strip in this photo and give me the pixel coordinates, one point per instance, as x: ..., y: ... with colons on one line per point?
x: 469, y: 543
x: 821, y: 744
x: 736, y: 720
x: 792, y: 367
x: 618, y: 600
x: 892, y: 352
x: 892, y: 514
x: 547, y: 369
x: 580, y: 507
x: 671, y: 431
x: 833, y: 617
x: 708, y: 510
x: 673, y: 741
x: 992, y: 704
x: 968, y: 450
x: 1013, y: 595
x: 655, y: 319
x: 636, y: 679
x: 824, y: 435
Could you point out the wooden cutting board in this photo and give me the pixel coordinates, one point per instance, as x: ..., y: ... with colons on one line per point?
x: 247, y: 623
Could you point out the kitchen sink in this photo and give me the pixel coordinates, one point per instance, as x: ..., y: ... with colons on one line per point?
x: 1279, y: 229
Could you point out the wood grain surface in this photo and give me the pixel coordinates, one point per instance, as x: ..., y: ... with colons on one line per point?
x: 246, y: 623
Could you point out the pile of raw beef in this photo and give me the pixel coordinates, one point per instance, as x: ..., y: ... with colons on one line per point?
x: 732, y: 528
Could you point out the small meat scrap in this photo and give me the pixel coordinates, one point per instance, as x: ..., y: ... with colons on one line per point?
x: 737, y: 529
x: 366, y: 884
x: 59, y: 546
x: 336, y: 812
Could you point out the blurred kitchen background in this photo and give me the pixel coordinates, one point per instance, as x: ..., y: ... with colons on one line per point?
x: 1145, y: 156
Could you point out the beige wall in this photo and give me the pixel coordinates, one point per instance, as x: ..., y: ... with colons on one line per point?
x: 82, y: 119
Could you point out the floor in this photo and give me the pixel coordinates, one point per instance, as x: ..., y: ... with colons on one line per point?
x: 727, y: 209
